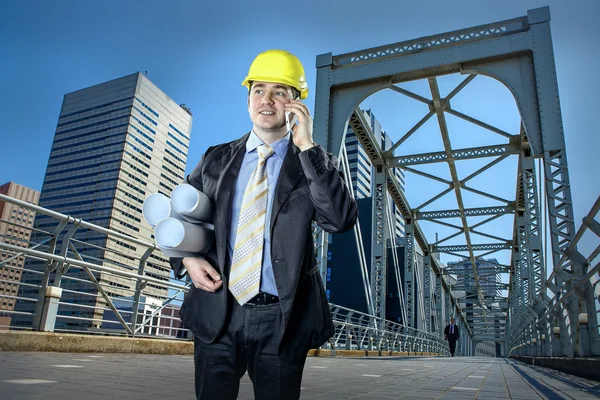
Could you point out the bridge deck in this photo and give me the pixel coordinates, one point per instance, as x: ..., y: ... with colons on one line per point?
x: 88, y: 376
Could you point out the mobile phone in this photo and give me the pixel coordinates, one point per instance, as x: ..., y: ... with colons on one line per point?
x: 289, y: 124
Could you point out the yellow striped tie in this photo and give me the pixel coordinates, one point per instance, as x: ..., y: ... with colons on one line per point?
x: 244, y: 278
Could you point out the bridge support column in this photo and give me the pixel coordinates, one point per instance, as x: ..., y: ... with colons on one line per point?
x: 427, y: 292
x: 439, y: 304
x: 379, y: 245
x: 409, y: 262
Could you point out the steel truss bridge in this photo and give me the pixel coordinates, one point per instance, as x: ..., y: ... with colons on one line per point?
x: 552, y: 306
x: 547, y: 305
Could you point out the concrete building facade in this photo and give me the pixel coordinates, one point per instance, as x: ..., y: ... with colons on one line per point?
x: 115, y: 143
x: 15, y: 228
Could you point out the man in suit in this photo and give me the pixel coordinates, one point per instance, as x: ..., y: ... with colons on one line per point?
x: 257, y: 302
x: 451, y: 334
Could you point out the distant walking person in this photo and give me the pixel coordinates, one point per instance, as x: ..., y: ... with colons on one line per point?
x: 451, y: 334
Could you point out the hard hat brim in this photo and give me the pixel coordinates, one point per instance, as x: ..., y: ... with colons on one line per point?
x: 303, y: 91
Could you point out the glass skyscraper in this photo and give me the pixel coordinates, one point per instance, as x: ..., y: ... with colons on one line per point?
x: 361, y: 169
x: 115, y: 143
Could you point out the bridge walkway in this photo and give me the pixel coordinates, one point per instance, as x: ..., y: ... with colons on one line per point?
x: 70, y: 376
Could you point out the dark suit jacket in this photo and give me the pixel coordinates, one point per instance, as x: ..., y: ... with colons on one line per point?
x: 309, y: 188
x: 450, y: 336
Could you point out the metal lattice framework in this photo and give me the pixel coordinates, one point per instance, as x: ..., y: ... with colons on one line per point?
x: 519, y: 54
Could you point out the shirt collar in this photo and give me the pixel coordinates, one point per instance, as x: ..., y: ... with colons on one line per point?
x: 279, y: 147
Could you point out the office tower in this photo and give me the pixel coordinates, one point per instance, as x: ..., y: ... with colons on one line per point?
x: 361, y: 169
x: 15, y: 229
x: 485, y: 349
x: 489, y: 271
x: 345, y: 280
x: 490, y: 280
x: 115, y: 143
x: 360, y: 166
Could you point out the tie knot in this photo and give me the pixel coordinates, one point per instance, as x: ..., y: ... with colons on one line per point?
x: 264, y: 151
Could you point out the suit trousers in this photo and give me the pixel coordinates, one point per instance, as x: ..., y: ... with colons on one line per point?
x: 249, y: 341
x: 452, y: 344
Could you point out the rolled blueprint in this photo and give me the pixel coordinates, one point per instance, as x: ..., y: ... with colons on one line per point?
x: 191, y: 204
x: 174, y: 234
x: 157, y: 207
x: 176, y: 253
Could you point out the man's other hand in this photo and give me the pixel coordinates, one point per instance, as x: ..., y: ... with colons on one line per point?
x: 203, y: 275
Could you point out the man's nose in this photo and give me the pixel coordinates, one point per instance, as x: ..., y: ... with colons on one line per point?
x: 268, y: 97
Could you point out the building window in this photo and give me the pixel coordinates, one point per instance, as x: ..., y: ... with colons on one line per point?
x: 176, y: 148
x: 111, y: 104
x: 177, y: 140
x: 146, y: 107
x: 146, y: 116
x: 179, y: 132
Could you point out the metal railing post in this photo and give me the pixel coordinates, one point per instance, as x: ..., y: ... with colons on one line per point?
x: 52, y: 296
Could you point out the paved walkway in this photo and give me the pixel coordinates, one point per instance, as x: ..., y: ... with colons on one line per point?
x: 71, y: 376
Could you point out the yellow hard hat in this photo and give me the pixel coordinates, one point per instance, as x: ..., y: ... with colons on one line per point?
x: 278, y: 66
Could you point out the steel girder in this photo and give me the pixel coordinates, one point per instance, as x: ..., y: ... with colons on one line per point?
x: 449, y: 307
x: 487, y: 287
x: 379, y: 243
x: 473, y: 247
x: 420, y: 293
x: 527, y: 260
x: 464, y: 154
x: 409, y: 273
x: 440, y: 302
x: 469, y: 212
x: 427, y: 293
x: 533, y: 223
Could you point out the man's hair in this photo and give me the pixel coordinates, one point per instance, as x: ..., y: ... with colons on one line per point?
x: 295, y: 92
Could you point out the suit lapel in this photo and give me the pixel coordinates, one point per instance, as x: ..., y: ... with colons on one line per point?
x: 231, y: 162
x: 291, y: 172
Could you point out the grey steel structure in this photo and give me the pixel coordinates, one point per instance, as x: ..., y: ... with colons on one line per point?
x: 519, y: 54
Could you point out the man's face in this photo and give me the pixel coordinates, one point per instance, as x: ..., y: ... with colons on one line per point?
x: 266, y: 105
x: 452, y: 321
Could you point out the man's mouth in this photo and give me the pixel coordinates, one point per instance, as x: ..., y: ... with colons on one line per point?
x: 267, y: 112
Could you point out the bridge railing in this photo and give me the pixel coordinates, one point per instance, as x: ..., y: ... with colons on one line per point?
x: 564, y: 321
x: 70, y: 275
x: 358, y: 331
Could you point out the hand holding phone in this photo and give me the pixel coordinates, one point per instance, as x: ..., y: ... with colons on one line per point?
x: 290, y: 124
x: 301, y: 124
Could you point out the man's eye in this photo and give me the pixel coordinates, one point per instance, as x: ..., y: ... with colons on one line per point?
x: 258, y: 91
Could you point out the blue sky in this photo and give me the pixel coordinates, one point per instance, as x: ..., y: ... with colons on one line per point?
x: 199, y: 52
